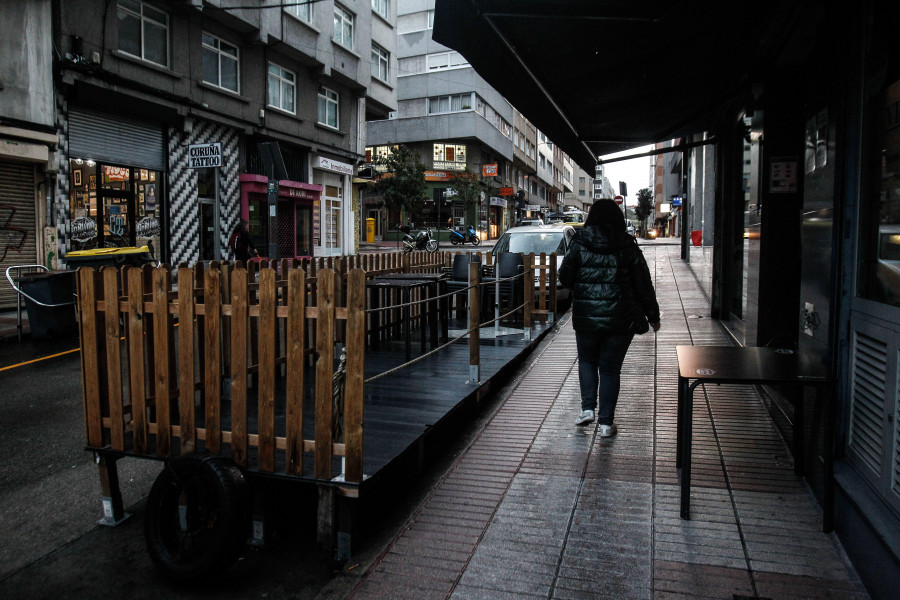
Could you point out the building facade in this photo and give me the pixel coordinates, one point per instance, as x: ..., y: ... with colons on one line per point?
x: 167, y: 114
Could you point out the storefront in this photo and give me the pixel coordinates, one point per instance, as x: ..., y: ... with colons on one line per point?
x: 113, y: 206
x: 332, y: 216
x: 298, y: 205
x: 116, y: 182
x: 497, y: 217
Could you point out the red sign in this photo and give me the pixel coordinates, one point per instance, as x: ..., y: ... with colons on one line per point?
x: 489, y: 170
x: 506, y: 191
x: 620, y: 199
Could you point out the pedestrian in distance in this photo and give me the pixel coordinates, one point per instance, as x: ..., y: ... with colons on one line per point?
x: 612, y: 300
x: 240, y: 242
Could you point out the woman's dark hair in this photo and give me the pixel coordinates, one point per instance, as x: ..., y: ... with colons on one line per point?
x: 242, y: 223
x: 605, y: 213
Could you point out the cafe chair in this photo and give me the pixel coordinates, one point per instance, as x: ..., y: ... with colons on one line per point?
x: 458, y: 282
x: 511, y: 292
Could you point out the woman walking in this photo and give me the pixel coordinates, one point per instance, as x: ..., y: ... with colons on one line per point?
x: 240, y: 242
x: 613, y: 299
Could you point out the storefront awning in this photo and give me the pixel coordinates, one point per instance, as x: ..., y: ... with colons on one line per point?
x: 601, y: 76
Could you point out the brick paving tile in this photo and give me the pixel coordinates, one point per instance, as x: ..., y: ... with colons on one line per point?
x: 539, y: 508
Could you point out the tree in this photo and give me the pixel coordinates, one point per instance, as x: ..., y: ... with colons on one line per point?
x: 468, y: 188
x: 403, y: 184
x: 644, y: 206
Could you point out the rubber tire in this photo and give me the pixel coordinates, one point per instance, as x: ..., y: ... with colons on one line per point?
x: 454, y: 240
x: 476, y: 241
x: 431, y: 245
x: 217, y: 514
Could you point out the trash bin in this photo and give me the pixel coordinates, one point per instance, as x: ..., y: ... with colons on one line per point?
x: 370, y: 230
x: 697, y: 237
x: 132, y: 256
x: 49, y: 302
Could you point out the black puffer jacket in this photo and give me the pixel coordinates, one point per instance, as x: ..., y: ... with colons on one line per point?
x: 610, y: 282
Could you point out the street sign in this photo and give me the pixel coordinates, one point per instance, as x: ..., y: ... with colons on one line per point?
x: 620, y: 200
x: 201, y: 156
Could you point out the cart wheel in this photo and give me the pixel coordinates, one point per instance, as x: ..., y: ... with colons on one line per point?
x: 197, y: 518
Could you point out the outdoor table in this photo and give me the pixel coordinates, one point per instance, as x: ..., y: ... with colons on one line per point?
x: 738, y: 365
x: 405, y: 283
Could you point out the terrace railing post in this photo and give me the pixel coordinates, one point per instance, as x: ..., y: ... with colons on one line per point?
x: 528, y: 293
x: 474, y: 322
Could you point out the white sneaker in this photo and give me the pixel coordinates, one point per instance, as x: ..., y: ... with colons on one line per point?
x: 607, y: 430
x: 586, y: 416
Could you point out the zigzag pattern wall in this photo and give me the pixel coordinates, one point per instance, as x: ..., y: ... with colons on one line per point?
x: 184, y: 207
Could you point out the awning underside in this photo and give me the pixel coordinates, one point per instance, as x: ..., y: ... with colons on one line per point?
x: 600, y: 76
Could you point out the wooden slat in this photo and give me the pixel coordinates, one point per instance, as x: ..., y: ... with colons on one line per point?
x: 162, y: 387
x: 296, y: 334
x: 324, y: 369
x: 136, y: 358
x: 238, y: 346
x: 110, y: 276
x: 528, y: 289
x: 266, y: 371
x: 90, y: 356
x: 212, y: 368
x: 353, y: 386
x: 186, y: 359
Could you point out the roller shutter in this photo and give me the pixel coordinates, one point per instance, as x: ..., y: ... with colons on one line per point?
x: 115, y: 139
x: 17, y: 223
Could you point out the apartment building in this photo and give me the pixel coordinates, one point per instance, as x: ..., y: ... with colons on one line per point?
x: 172, y: 117
x: 458, y: 123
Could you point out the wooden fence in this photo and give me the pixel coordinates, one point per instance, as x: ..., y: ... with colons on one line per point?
x: 212, y: 358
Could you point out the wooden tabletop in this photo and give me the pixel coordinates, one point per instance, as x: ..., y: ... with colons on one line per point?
x: 748, y: 364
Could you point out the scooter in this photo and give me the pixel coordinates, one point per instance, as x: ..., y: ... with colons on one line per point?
x: 422, y: 241
x: 457, y: 237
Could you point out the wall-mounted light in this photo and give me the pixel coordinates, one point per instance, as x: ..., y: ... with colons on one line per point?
x: 79, y: 161
x: 262, y: 113
x: 90, y: 163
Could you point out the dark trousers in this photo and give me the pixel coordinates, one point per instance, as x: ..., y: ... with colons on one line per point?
x: 600, y: 358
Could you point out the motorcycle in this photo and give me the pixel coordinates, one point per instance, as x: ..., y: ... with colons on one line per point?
x: 457, y: 237
x: 424, y: 240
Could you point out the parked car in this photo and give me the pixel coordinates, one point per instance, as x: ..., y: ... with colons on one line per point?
x: 629, y: 226
x: 530, y: 222
x: 537, y: 239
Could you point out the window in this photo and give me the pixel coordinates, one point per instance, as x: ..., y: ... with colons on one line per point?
x: 343, y: 27
x: 445, y: 104
x: 220, y: 63
x: 328, y: 107
x: 455, y: 153
x: 440, y: 61
x: 303, y: 11
x: 143, y: 32
x: 381, y: 61
x: 430, y: 19
x: 380, y: 7
x: 282, y: 87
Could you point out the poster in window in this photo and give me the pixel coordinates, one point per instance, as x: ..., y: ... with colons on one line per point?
x: 144, y: 175
x: 76, y: 175
x: 152, y: 175
x: 92, y: 182
x: 150, y: 197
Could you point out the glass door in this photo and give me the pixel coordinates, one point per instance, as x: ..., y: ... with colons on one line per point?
x: 116, y: 202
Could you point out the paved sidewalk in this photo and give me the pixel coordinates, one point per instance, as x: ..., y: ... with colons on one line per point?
x: 538, y: 508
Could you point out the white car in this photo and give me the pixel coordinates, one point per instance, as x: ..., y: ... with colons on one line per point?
x: 537, y: 239
x: 530, y: 222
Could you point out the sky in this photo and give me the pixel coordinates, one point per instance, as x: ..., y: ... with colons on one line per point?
x: 635, y: 172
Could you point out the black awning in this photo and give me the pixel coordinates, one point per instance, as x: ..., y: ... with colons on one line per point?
x: 601, y: 76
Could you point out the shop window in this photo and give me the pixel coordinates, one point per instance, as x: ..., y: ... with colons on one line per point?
x: 220, y: 63
x: 880, y: 234
x: 114, y: 206
x: 143, y: 31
